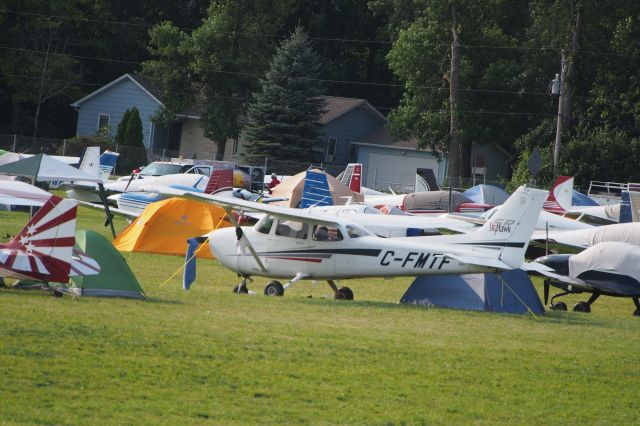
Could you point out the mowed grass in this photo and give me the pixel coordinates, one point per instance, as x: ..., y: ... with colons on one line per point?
x: 210, y: 356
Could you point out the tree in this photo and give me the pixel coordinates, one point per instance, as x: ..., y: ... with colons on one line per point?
x: 215, y: 68
x: 282, y: 121
x: 133, y: 133
x: 458, y: 90
x: 122, y: 127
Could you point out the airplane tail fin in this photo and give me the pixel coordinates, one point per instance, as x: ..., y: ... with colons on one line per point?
x: 508, y: 232
x: 560, y: 194
x: 316, y: 191
x: 90, y: 162
x: 219, y: 179
x: 108, y: 161
x: 352, y: 177
x: 44, y: 247
x: 629, y: 206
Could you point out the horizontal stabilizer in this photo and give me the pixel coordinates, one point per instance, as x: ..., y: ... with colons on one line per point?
x: 479, y: 261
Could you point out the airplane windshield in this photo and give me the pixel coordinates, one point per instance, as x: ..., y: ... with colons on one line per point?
x: 264, y: 225
x: 356, y: 232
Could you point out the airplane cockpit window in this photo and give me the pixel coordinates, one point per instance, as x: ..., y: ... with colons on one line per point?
x: 371, y: 210
x: 356, y: 232
x: 292, y: 229
x: 326, y: 233
x: 264, y: 225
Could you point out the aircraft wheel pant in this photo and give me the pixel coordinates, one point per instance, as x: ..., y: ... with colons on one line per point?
x: 582, y: 307
x: 274, y: 288
x: 241, y: 289
x: 344, y: 293
x: 560, y: 306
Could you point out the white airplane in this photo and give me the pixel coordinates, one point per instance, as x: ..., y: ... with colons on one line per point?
x: 43, y: 249
x: 298, y: 245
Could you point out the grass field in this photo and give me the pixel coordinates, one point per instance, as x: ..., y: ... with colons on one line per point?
x: 210, y: 356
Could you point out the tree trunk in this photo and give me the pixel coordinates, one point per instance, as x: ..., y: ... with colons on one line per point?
x: 220, y: 149
x: 456, y: 155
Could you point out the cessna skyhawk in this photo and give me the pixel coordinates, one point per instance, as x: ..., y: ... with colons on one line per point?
x: 299, y: 245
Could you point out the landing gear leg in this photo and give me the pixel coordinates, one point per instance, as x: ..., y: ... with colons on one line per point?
x: 636, y: 313
x: 342, y: 293
x: 242, y: 287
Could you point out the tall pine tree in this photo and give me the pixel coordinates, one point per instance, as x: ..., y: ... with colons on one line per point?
x: 283, y: 119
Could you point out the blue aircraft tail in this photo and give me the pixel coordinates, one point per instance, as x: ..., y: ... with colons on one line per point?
x: 316, y: 190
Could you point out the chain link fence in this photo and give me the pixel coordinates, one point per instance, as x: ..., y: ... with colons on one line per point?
x: 134, y: 157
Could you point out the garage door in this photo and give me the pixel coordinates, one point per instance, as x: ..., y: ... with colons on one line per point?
x: 396, y: 171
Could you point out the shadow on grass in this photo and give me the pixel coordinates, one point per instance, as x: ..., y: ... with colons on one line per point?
x: 159, y: 300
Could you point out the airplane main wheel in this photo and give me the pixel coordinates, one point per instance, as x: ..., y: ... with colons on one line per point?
x: 582, y: 307
x: 274, y: 288
x: 559, y: 306
x: 241, y: 289
x: 344, y: 293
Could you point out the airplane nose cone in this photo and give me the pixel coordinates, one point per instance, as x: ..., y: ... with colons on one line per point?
x: 223, y: 244
x: 558, y: 262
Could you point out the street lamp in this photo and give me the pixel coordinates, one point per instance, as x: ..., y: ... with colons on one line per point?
x: 557, y: 89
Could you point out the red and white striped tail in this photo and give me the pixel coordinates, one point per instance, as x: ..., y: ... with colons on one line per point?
x: 44, y: 247
x: 559, y: 198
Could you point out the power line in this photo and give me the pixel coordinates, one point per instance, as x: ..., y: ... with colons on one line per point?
x: 257, y: 75
x: 247, y: 99
x: 318, y: 38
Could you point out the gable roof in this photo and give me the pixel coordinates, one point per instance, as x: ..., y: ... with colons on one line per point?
x: 143, y: 84
x: 337, y: 107
x: 383, y: 138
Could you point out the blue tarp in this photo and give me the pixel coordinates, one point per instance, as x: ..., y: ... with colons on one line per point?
x: 487, y: 194
x: 507, y: 292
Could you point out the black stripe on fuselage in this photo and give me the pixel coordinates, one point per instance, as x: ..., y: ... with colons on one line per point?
x: 495, y: 244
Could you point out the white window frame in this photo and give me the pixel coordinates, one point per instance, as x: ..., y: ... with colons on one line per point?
x: 103, y: 114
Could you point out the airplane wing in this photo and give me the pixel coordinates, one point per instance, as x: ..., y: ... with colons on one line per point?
x: 479, y: 260
x: 299, y: 215
x: 120, y: 212
x: 550, y: 273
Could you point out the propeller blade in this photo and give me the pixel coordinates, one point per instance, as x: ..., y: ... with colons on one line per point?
x: 240, y: 235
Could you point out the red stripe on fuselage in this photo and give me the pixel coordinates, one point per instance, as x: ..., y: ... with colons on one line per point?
x: 301, y: 259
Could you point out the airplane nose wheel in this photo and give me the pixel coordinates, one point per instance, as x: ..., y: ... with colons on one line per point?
x: 274, y: 288
x: 559, y: 306
x: 242, y: 287
x: 344, y: 293
x: 582, y: 307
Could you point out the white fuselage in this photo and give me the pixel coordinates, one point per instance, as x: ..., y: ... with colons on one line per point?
x: 365, y: 256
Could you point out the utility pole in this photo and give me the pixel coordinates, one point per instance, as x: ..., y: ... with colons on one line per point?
x: 557, y: 89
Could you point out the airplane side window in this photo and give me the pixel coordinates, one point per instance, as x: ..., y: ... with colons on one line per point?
x: 264, y: 226
x: 292, y: 229
x: 326, y: 233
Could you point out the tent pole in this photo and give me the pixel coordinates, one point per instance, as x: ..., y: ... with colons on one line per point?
x: 103, y: 197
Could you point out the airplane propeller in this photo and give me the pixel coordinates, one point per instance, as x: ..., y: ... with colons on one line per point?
x: 240, y: 235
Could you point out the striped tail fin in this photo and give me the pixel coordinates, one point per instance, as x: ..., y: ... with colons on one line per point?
x: 559, y: 199
x: 43, y: 249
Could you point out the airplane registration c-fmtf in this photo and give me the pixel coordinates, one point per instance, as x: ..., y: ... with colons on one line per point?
x: 297, y: 244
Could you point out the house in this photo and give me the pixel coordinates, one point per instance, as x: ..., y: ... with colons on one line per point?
x: 351, y: 130
x: 106, y: 106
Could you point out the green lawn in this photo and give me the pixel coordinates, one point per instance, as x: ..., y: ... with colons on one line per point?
x: 210, y: 356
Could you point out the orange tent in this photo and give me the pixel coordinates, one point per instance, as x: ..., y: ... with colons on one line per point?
x: 164, y: 227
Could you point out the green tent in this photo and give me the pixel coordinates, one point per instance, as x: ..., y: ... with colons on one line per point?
x: 115, y: 278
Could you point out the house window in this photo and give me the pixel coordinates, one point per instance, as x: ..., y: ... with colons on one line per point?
x: 103, y: 120
x: 236, y: 142
x: 331, y: 148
